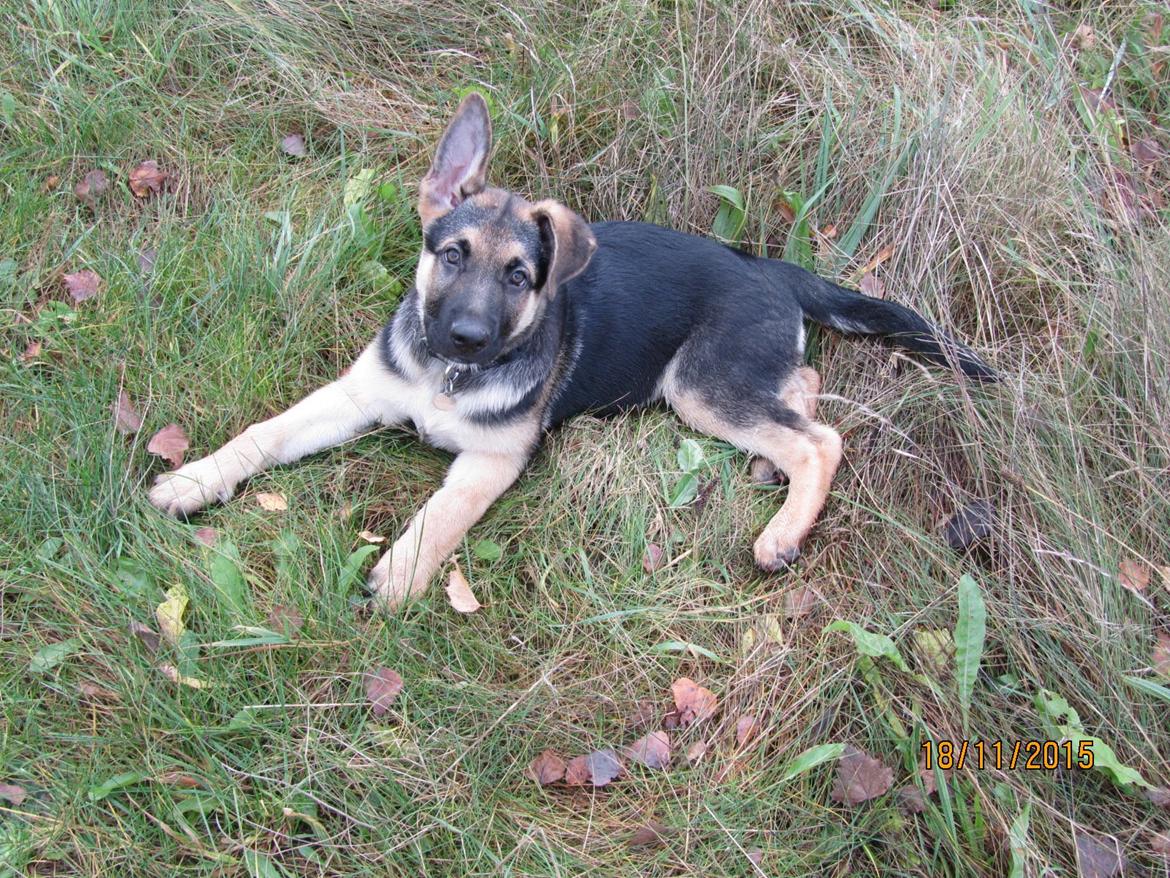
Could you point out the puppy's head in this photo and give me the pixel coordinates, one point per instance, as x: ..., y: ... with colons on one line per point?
x: 491, y: 260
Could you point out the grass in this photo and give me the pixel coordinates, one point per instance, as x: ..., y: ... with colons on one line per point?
x: 959, y: 137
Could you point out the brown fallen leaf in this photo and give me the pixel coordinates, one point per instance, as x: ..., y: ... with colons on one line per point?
x: 860, y: 778
x: 272, y: 502
x: 1146, y: 152
x: 630, y: 110
x: 13, y: 793
x: 147, y: 635
x: 1160, y: 843
x: 370, y: 537
x: 746, y: 728
x: 207, y: 536
x: 1083, y: 38
x: 883, y: 255
x: 459, y: 592
x: 653, y: 834
x: 1097, y: 100
x: 696, y: 751
x: 146, y: 259
x: 179, y: 779
x: 652, y: 750
x: 293, y: 145
x: 799, y: 601
x: 693, y: 703
x: 82, y: 285
x: 596, y: 769
x: 286, y: 619
x: 382, y: 687
x: 872, y: 285
x: 1159, y: 796
x: 31, y: 352
x: 546, y: 768
x: 755, y: 856
x: 1096, y: 859
x: 969, y: 525
x: 652, y: 559
x: 169, y: 443
x: 94, y: 692
x: 147, y: 179
x: 126, y: 418
x: 1134, y: 575
x: 92, y: 186
x: 51, y: 183
x: 1160, y: 658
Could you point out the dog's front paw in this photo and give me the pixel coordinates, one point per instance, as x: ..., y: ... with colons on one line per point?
x: 395, y: 582
x: 775, y: 550
x: 191, y: 487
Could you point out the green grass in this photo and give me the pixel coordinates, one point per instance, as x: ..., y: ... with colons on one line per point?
x: 957, y: 137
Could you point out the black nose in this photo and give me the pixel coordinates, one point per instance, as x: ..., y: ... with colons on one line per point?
x: 469, y: 336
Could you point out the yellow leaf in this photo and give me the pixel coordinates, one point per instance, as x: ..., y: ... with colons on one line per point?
x: 459, y: 592
x: 170, y: 614
x: 272, y: 502
x: 172, y: 674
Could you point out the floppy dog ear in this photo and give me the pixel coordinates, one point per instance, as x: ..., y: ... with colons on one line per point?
x: 567, y: 241
x: 459, y: 169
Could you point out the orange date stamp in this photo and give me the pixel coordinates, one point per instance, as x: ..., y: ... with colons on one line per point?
x: 1033, y: 755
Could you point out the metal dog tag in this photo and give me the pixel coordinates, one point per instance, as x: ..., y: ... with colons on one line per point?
x: 443, y: 402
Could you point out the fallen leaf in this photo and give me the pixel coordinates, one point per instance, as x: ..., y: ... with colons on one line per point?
x: 12, y: 793
x: 51, y: 182
x: 630, y: 110
x: 1160, y: 658
x: 1096, y: 100
x: 382, y: 687
x: 692, y: 702
x: 170, y: 613
x: 272, y: 502
x: 31, y: 352
x: 911, y: 799
x: 286, y: 619
x: 860, y: 778
x: 1083, y: 37
x: 746, y: 728
x: 172, y: 673
x: 370, y: 537
x: 577, y: 771
x: 828, y: 232
x: 1160, y: 843
x: 94, y: 692
x: 126, y: 418
x: 652, y: 559
x: 146, y: 259
x: 147, y: 178
x: 146, y: 634
x: 459, y: 592
x: 872, y: 285
x: 1159, y: 796
x: 1097, y: 860
x: 597, y: 769
x: 935, y: 649
x: 169, y: 443
x: 696, y: 751
x: 653, y: 834
x: 207, y: 536
x: 652, y: 750
x: 645, y: 715
x: 82, y: 285
x: 1146, y: 152
x: 969, y: 525
x: 546, y: 768
x: 1134, y: 575
x: 294, y: 145
x: 92, y: 186
x: 799, y: 601
x: 179, y: 779
x: 755, y: 856
x: 882, y: 256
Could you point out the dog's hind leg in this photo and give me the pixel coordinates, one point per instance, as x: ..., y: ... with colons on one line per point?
x: 362, y: 397
x: 804, y: 450
x: 799, y: 394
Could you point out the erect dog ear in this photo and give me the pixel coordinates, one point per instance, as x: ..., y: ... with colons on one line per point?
x: 567, y: 240
x: 459, y: 169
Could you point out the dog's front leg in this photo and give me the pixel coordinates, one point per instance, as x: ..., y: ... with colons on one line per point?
x: 473, y: 483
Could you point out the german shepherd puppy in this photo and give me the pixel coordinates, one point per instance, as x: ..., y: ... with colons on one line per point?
x: 523, y: 315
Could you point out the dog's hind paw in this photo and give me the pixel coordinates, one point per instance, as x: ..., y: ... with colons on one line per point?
x: 774, y: 553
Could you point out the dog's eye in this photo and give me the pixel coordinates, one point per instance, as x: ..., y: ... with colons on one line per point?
x: 453, y: 255
x: 519, y: 278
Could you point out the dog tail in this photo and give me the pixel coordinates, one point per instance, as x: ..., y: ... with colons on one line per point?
x: 852, y: 312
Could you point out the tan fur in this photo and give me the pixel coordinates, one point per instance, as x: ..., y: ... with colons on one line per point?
x: 809, y: 457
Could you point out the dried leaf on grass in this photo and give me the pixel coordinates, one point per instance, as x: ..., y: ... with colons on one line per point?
x: 653, y: 834
x: 147, y: 179
x: 746, y: 729
x: 82, y: 285
x: 1098, y: 859
x: 382, y: 687
x: 547, y: 768
x: 1134, y: 575
x: 271, y: 502
x: 652, y: 559
x: 652, y: 750
x: 169, y: 443
x: 13, y: 793
x: 92, y: 186
x: 693, y: 703
x: 860, y: 778
x: 126, y: 417
x: 597, y: 769
x: 459, y: 592
x: 293, y: 145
